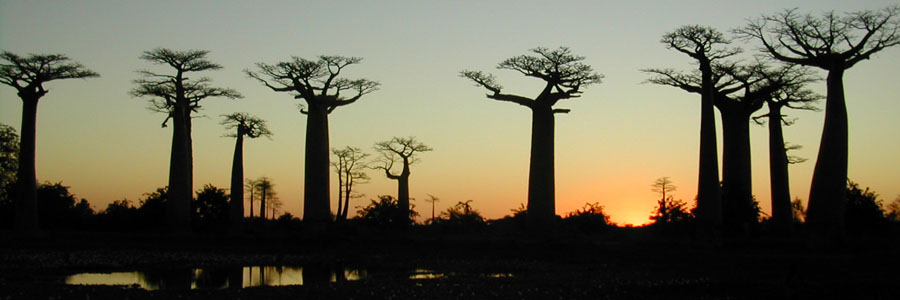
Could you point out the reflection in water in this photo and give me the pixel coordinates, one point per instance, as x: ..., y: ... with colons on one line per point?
x: 220, y: 278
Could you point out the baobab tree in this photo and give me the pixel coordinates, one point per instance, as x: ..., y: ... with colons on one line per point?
x: 402, y: 150
x: 565, y: 76
x: 738, y: 91
x: 432, y: 199
x: 252, y: 127
x: 250, y: 185
x: 793, y: 96
x: 706, y: 46
x: 833, y: 43
x: 27, y: 74
x: 350, y: 168
x: 178, y: 97
x: 266, y: 189
x: 318, y: 83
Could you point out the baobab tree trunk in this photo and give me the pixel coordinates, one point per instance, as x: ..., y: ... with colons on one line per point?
x: 26, y: 204
x: 782, y: 214
x: 316, y: 199
x: 829, y: 182
x: 737, y: 194
x: 709, y: 200
x: 251, y: 199
x: 403, y: 198
x: 262, y: 204
x: 236, y: 207
x: 541, y: 186
x: 178, y: 207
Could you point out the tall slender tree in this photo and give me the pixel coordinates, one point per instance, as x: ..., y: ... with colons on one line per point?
x: 565, y: 75
x: 178, y: 97
x: 350, y: 168
x: 252, y: 127
x: 705, y: 45
x: 250, y: 185
x: 318, y: 83
x: 794, y: 96
x: 833, y: 43
x: 403, y: 150
x: 27, y: 75
x: 432, y: 199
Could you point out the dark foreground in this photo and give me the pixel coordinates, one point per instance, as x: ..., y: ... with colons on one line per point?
x: 628, y: 264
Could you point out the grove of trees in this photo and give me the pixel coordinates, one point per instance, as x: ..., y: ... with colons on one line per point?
x: 791, y: 46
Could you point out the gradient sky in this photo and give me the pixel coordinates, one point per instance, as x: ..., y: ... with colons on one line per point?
x: 620, y: 136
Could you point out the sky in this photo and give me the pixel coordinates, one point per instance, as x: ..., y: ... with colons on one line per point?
x: 620, y: 137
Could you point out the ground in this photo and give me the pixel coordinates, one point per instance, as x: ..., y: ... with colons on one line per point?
x: 628, y: 264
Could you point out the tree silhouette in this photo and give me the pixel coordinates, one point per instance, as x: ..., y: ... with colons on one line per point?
x: 250, y: 185
x: 833, y: 43
x: 705, y: 45
x: 432, y: 199
x: 252, y: 127
x: 668, y: 210
x: 28, y: 75
x: 402, y: 150
x: 738, y: 91
x: 178, y: 97
x: 266, y: 189
x: 210, y: 207
x: 565, y: 75
x: 317, y: 83
x: 796, y: 97
x: 755, y: 83
x: 350, y: 168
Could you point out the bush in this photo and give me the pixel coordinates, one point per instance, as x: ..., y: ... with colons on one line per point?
x: 588, y: 219
x: 385, y: 213
x: 460, y: 218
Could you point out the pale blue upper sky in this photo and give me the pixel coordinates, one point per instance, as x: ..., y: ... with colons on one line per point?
x: 620, y: 136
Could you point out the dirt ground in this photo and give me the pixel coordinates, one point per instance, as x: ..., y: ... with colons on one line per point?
x: 627, y: 265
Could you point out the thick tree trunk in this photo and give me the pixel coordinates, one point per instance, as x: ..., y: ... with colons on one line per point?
x: 541, y: 185
x: 26, y: 182
x: 236, y: 207
x: 825, y: 214
x: 178, y: 207
x: 316, y: 199
x: 709, y: 201
x: 782, y: 214
x: 403, y: 199
x: 737, y: 195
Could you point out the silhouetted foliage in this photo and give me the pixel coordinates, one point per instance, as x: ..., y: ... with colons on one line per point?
x: 120, y: 215
x: 386, y: 213
x: 210, y: 208
x: 588, y: 219
x: 402, y: 150
x: 893, y: 210
x: 59, y: 209
x: 9, y: 162
x: 833, y: 43
x: 28, y: 75
x: 318, y: 83
x: 863, y: 213
x: 461, y: 217
x: 266, y: 191
x: 153, y: 208
x: 178, y: 96
x: 565, y: 75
